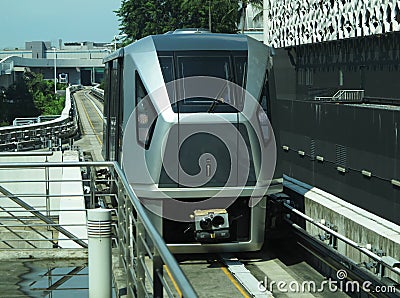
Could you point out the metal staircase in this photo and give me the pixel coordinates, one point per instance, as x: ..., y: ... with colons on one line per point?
x: 343, y: 95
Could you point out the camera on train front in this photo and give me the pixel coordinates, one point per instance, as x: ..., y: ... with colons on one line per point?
x: 211, y: 225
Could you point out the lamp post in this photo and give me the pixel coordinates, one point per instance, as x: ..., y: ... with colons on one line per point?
x: 55, y: 70
x: 118, y: 37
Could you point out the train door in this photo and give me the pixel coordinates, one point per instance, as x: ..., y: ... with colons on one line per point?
x: 107, y: 81
x: 113, y: 109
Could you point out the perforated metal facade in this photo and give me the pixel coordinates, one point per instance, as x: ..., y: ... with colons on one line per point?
x: 295, y: 22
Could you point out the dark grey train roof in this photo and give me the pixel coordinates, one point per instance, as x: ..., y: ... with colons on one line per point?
x: 199, y: 41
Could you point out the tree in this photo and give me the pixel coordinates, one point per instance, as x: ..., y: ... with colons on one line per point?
x: 30, y: 96
x: 243, y: 10
x: 197, y: 14
x: 140, y: 18
x: 42, y: 93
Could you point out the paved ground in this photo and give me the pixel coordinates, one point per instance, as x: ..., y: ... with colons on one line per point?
x: 46, y: 278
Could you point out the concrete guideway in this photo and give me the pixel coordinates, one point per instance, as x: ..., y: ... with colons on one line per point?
x: 91, y: 122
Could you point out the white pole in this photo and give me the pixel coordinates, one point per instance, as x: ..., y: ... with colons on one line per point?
x: 99, y: 236
x: 55, y: 70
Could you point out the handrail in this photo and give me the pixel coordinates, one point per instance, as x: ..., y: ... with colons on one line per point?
x: 99, y: 93
x: 168, y: 259
x: 381, y: 260
x: 343, y: 95
x: 42, y: 217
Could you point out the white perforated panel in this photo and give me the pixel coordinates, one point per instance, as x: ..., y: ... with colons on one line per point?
x: 294, y: 22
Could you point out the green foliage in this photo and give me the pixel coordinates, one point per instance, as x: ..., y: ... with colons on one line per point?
x: 61, y: 86
x: 30, y: 96
x: 16, y: 102
x: 243, y: 10
x: 140, y: 18
x: 42, y: 92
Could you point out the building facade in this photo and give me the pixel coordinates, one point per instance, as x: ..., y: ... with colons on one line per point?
x: 74, y: 63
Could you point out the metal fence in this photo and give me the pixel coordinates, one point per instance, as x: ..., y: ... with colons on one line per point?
x: 40, y: 205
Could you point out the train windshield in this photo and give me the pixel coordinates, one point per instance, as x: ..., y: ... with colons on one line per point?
x: 211, y: 64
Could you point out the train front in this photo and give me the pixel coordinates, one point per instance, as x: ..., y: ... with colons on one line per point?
x: 204, y: 154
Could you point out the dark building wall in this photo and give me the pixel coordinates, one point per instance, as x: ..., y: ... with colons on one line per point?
x: 371, y: 63
x: 352, y: 137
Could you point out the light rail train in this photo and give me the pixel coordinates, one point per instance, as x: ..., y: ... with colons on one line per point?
x: 186, y: 117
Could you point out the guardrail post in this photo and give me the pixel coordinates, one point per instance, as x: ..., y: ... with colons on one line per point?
x: 129, y: 253
x: 157, y: 275
x: 140, y: 255
x: 120, y: 214
x: 92, y: 187
x: 99, y: 235
x: 47, y: 177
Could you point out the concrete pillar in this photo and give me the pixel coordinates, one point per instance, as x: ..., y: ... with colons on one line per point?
x: 99, y: 235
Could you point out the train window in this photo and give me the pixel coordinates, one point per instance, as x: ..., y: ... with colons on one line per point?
x: 212, y: 66
x: 166, y: 64
x: 189, y: 66
x: 146, y: 115
x: 167, y: 69
x: 241, y: 71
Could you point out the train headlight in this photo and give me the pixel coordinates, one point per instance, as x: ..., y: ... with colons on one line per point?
x: 146, y: 117
x: 206, y: 223
x: 143, y: 119
x: 218, y: 221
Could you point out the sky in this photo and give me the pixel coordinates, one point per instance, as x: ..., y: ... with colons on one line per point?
x: 51, y: 20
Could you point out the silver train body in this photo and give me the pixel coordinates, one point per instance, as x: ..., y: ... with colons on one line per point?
x: 163, y: 133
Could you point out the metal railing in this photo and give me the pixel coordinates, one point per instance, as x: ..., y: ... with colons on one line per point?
x: 99, y: 93
x: 44, y: 134
x: 343, y: 95
x: 143, y: 254
x: 33, y: 120
x: 383, y: 265
x: 6, y: 67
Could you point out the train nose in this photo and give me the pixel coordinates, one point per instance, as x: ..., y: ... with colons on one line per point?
x: 207, y: 155
x: 205, y: 159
